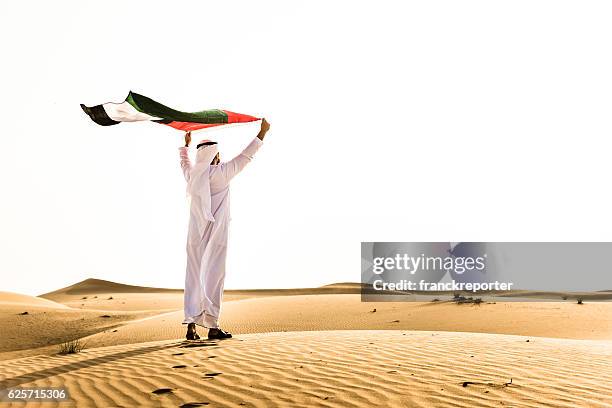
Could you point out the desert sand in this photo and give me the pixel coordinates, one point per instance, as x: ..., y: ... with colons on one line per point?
x: 307, y: 347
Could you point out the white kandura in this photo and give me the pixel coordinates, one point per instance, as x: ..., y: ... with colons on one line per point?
x: 208, y: 188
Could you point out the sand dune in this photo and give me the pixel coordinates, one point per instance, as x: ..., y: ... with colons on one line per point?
x: 339, y: 312
x: 100, y: 294
x: 93, y: 286
x: 16, y: 299
x: 28, y: 323
x: 25, y: 334
x: 390, y: 368
x: 328, y: 312
x: 342, y: 312
x: 308, y: 347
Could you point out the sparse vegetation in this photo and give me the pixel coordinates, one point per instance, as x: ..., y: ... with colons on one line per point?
x: 564, y: 297
x: 462, y: 300
x: 71, y: 347
x: 579, y: 301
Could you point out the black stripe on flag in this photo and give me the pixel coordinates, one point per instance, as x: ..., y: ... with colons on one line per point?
x: 98, y: 115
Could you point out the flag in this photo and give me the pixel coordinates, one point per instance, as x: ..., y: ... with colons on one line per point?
x: 137, y: 108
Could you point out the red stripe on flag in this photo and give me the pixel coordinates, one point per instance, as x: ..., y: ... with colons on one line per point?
x: 188, y: 126
x: 233, y: 117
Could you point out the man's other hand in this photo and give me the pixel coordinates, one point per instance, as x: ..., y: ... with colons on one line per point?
x: 187, y: 139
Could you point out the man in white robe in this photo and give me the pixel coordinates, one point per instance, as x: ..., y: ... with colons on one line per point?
x: 208, y: 188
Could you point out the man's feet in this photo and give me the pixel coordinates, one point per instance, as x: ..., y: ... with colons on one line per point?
x: 191, y: 332
x: 214, y: 334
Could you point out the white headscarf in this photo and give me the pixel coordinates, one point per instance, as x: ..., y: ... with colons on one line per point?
x: 198, y: 186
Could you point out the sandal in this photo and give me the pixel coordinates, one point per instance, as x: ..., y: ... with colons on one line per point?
x: 214, y: 334
x: 191, y: 334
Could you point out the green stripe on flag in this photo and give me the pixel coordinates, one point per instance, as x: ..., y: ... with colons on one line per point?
x: 150, y: 107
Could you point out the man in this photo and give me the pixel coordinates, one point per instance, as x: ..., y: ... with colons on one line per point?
x: 208, y: 187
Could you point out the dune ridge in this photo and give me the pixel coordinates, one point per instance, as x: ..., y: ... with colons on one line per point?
x: 93, y: 286
x: 15, y: 299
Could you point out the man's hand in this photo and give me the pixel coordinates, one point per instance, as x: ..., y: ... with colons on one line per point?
x: 187, y: 139
x: 265, y: 126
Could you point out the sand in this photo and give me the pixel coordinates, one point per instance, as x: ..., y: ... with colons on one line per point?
x: 341, y: 312
x: 29, y: 328
x: 332, y: 368
x: 105, y: 295
x: 8, y: 299
x: 308, y: 347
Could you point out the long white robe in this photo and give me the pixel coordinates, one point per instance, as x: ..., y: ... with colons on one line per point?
x: 206, y: 253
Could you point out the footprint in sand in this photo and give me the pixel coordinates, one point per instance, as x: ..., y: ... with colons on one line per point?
x: 190, y: 345
x: 162, y: 391
x: 179, y: 366
x: 212, y: 374
x: 194, y: 404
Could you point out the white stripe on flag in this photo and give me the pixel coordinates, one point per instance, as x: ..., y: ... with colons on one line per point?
x: 124, y: 112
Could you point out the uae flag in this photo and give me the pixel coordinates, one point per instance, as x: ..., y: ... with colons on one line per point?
x: 137, y: 108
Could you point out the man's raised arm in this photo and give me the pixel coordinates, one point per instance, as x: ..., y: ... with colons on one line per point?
x: 184, y: 154
x: 234, y: 166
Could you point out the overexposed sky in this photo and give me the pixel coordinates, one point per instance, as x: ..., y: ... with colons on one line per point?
x: 391, y: 121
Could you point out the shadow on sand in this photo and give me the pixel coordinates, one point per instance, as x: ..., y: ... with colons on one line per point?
x: 77, y: 365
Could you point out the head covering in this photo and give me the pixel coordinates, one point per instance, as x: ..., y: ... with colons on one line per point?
x: 198, y: 187
x: 205, y: 143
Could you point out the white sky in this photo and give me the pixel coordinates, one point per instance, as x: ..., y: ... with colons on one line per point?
x: 391, y: 121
